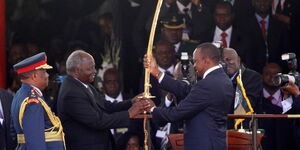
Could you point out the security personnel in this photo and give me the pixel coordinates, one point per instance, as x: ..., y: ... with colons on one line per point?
x: 37, y: 128
x: 173, y: 30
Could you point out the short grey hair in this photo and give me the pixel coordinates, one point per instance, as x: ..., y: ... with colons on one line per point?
x: 74, y: 60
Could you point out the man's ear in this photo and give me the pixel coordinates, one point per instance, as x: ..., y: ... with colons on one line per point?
x: 33, y: 75
x: 76, y: 71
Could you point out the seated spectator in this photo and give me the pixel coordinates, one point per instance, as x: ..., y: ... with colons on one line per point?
x: 130, y: 141
x: 112, y: 92
x: 251, y: 83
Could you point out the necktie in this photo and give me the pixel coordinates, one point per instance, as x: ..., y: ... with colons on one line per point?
x: 168, y: 72
x: 90, y: 90
x: 263, y: 28
x: 270, y: 98
x: 188, y: 20
x: 278, y: 7
x: 223, y: 39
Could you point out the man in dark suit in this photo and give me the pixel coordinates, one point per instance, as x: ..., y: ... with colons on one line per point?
x: 268, y: 36
x: 112, y: 92
x: 292, y: 89
x: 85, y: 115
x: 205, y: 105
x: 278, y: 132
x: 227, y: 31
x: 6, y: 141
x: 252, y: 82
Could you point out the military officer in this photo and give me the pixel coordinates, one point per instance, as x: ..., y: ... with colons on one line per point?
x: 173, y: 31
x: 37, y: 128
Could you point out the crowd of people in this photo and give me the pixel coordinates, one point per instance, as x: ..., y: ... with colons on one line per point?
x: 95, y: 83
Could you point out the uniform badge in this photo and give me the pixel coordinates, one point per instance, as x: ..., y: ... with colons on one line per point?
x: 33, y: 98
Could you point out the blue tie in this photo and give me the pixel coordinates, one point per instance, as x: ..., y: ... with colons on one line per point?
x: 168, y: 72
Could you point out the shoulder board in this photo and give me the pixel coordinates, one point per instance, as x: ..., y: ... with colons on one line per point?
x: 192, y: 41
x: 33, y: 96
x: 33, y: 100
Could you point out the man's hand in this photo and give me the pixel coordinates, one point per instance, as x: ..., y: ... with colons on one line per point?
x: 136, y: 109
x: 283, y: 18
x: 148, y: 103
x: 169, y: 2
x: 197, y: 3
x: 150, y: 62
x: 137, y: 98
x: 291, y: 88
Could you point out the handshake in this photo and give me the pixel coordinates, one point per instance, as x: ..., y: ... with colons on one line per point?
x: 140, y: 105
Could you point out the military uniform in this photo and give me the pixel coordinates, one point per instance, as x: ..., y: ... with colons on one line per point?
x: 175, y: 21
x: 36, y: 127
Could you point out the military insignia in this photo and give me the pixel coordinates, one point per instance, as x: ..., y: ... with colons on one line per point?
x: 174, y: 19
x: 33, y: 100
x: 33, y: 96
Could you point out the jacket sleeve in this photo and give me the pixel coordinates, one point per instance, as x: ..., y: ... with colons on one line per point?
x: 194, y: 102
x: 179, y: 88
x: 80, y: 108
x: 34, y: 126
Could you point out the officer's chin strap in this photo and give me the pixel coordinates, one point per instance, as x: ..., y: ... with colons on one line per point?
x: 50, y: 134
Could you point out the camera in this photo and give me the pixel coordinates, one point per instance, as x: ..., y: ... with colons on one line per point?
x: 220, y: 46
x: 185, y: 63
x: 293, y: 76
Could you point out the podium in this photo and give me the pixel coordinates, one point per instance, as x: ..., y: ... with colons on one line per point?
x: 241, y: 141
x: 235, y: 140
x: 176, y: 141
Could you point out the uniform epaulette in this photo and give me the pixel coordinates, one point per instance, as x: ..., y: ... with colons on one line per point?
x: 33, y: 96
x: 192, y: 41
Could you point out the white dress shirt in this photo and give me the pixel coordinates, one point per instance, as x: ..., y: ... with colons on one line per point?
x: 1, y: 113
x: 218, y: 37
x: 111, y: 99
x: 182, y: 7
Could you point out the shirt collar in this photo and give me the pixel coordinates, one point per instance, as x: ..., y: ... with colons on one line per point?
x: 182, y: 7
x: 37, y: 89
x: 85, y: 85
x: 218, y: 31
x: 210, y: 70
x: 234, y: 75
x: 259, y: 18
x: 170, y: 69
x: 118, y: 99
x: 177, y: 45
x: 276, y: 95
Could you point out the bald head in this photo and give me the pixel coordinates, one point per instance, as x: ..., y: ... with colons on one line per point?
x: 232, y: 61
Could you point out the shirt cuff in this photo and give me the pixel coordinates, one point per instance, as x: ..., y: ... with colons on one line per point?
x: 286, y: 104
x: 161, y: 77
x: 151, y: 110
x: 168, y: 102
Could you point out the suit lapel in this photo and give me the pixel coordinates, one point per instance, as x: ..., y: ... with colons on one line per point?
x: 83, y: 88
x: 99, y: 101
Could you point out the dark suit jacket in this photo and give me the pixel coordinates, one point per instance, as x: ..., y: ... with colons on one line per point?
x: 280, y: 133
x: 252, y: 82
x: 238, y: 41
x: 87, y: 117
x: 277, y: 41
x: 5, y: 138
x: 205, y: 108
